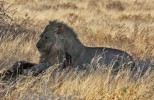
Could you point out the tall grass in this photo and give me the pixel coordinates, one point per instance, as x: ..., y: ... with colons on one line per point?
x: 122, y: 24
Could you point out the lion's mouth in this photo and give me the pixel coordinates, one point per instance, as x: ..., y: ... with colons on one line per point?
x: 42, y: 52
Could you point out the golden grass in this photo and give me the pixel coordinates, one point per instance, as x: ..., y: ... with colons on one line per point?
x: 122, y: 24
x: 93, y: 86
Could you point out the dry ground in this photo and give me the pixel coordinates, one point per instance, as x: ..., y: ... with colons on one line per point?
x: 124, y: 24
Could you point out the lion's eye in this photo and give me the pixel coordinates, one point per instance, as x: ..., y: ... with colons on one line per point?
x: 45, y: 37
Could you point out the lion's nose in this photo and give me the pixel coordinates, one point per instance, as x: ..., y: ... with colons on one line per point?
x: 38, y: 46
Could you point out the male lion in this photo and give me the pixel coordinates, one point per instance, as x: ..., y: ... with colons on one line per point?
x: 59, y: 44
x: 58, y: 41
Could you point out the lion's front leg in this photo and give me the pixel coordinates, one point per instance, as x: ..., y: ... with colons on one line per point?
x: 39, y: 68
x: 22, y: 67
x: 19, y: 68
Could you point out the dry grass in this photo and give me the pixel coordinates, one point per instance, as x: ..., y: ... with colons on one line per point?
x: 122, y: 24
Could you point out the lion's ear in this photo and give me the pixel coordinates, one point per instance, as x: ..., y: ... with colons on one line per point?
x: 60, y: 29
x: 50, y: 22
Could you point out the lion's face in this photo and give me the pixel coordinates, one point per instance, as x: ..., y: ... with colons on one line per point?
x: 50, y: 40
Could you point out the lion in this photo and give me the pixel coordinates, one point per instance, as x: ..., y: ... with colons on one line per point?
x: 59, y: 44
x: 58, y: 41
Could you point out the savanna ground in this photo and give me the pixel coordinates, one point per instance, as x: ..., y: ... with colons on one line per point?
x: 124, y: 24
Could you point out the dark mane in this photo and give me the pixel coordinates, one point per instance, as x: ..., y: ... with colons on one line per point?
x: 70, y: 30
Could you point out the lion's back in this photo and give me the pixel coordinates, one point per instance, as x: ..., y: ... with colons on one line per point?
x: 109, y: 56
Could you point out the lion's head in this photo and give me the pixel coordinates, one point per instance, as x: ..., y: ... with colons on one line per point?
x: 56, y: 39
x: 50, y: 40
